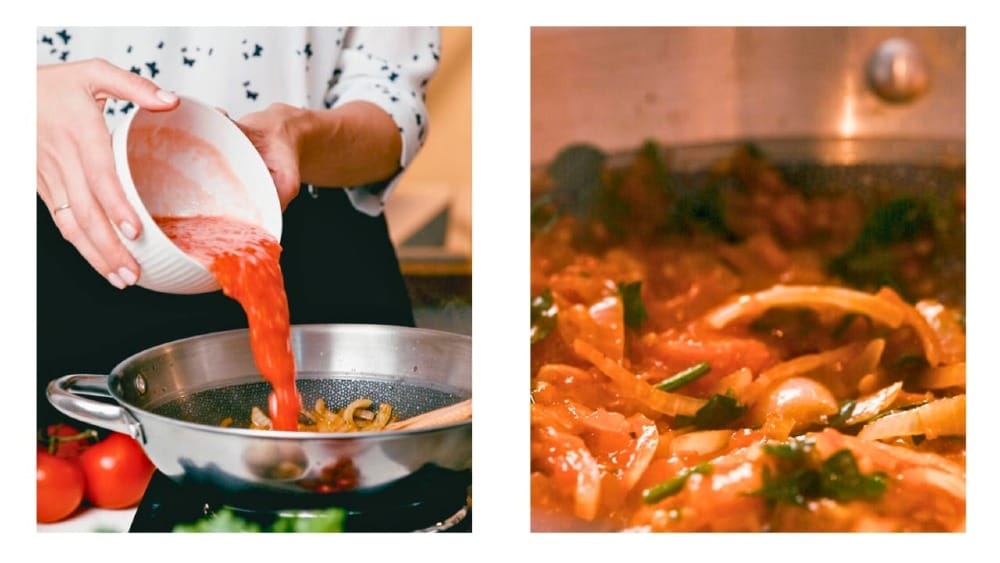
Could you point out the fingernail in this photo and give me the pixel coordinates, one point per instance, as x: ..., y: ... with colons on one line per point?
x: 127, y: 275
x: 128, y: 230
x: 168, y: 97
x: 116, y: 281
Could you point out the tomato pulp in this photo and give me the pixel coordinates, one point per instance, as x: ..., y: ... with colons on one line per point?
x: 243, y: 257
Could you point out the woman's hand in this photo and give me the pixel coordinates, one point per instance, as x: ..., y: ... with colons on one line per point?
x: 275, y: 132
x: 76, y: 172
x: 350, y: 145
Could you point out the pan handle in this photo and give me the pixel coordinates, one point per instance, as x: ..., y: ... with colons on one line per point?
x: 66, y: 394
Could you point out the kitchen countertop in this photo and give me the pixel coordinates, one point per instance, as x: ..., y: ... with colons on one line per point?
x: 90, y: 519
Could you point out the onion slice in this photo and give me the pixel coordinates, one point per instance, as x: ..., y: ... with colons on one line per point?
x: 588, y: 485
x: 869, y: 406
x: 348, y: 413
x: 941, y: 377
x: 647, y: 440
x: 754, y: 304
x: 701, y: 442
x: 943, y: 417
x: 671, y: 404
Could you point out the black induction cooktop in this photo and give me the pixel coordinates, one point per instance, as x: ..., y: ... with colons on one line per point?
x: 430, y: 500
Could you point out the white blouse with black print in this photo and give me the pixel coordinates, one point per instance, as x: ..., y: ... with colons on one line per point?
x: 243, y: 70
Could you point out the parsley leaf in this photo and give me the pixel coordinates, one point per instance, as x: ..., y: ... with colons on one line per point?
x: 330, y: 520
x: 840, y: 479
x: 674, y: 485
x: 796, y: 479
x: 870, y: 261
x: 226, y: 521
x: 683, y: 377
x: 718, y: 412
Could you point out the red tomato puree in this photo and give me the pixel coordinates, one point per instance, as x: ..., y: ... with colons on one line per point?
x: 244, y: 259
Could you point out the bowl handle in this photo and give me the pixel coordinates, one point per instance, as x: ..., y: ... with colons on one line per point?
x: 65, y: 394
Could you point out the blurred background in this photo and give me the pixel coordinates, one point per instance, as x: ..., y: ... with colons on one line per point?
x: 616, y: 87
x: 430, y: 213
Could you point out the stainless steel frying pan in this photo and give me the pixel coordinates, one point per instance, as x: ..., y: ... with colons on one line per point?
x: 172, y: 398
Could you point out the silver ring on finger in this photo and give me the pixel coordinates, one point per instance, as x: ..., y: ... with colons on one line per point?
x: 62, y: 207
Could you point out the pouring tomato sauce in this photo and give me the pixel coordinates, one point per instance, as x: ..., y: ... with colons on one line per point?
x: 244, y: 258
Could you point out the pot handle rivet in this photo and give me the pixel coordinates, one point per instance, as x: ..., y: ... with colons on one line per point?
x: 897, y: 71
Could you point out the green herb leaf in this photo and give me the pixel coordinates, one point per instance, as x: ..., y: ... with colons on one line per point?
x: 869, y: 263
x: 543, y: 316
x: 796, y: 480
x: 718, y: 412
x: 794, y: 487
x: 325, y: 521
x: 682, y: 378
x: 674, y: 485
x: 635, y: 310
x: 840, y: 479
x: 796, y: 450
x: 224, y: 520
x: 700, y: 210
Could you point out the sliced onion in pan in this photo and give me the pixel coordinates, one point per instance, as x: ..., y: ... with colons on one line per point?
x: 943, y: 417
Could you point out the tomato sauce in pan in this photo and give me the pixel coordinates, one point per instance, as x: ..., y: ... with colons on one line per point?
x: 244, y: 258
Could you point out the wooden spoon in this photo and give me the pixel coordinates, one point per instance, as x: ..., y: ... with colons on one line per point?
x: 445, y: 415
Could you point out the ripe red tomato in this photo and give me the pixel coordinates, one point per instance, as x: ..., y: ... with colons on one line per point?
x: 117, y: 472
x: 60, y: 485
x: 72, y: 443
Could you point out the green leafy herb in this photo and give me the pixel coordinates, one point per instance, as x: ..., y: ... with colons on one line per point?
x: 795, y: 450
x: 635, y: 310
x: 682, y: 378
x: 543, y: 315
x: 700, y: 210
x: 674, y: 485
x: 840, y: 479
x: 325, y: 521
x: 797, y: 479
x: 869, y: 262
x: 226, y: 521
x: 222, y: 521
x: 794, y: 487
x: 718, y: 412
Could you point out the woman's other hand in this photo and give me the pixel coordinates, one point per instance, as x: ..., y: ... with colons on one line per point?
x: 351, y: 145
x: 76, y: 172
x: 275, y: 132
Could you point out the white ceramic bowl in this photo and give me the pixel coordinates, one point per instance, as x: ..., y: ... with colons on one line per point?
x: 191, y: 160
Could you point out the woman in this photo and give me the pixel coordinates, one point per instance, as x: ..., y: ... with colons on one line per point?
x: 326, y: 108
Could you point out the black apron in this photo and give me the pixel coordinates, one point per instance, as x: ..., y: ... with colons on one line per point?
x: 339, y: 267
